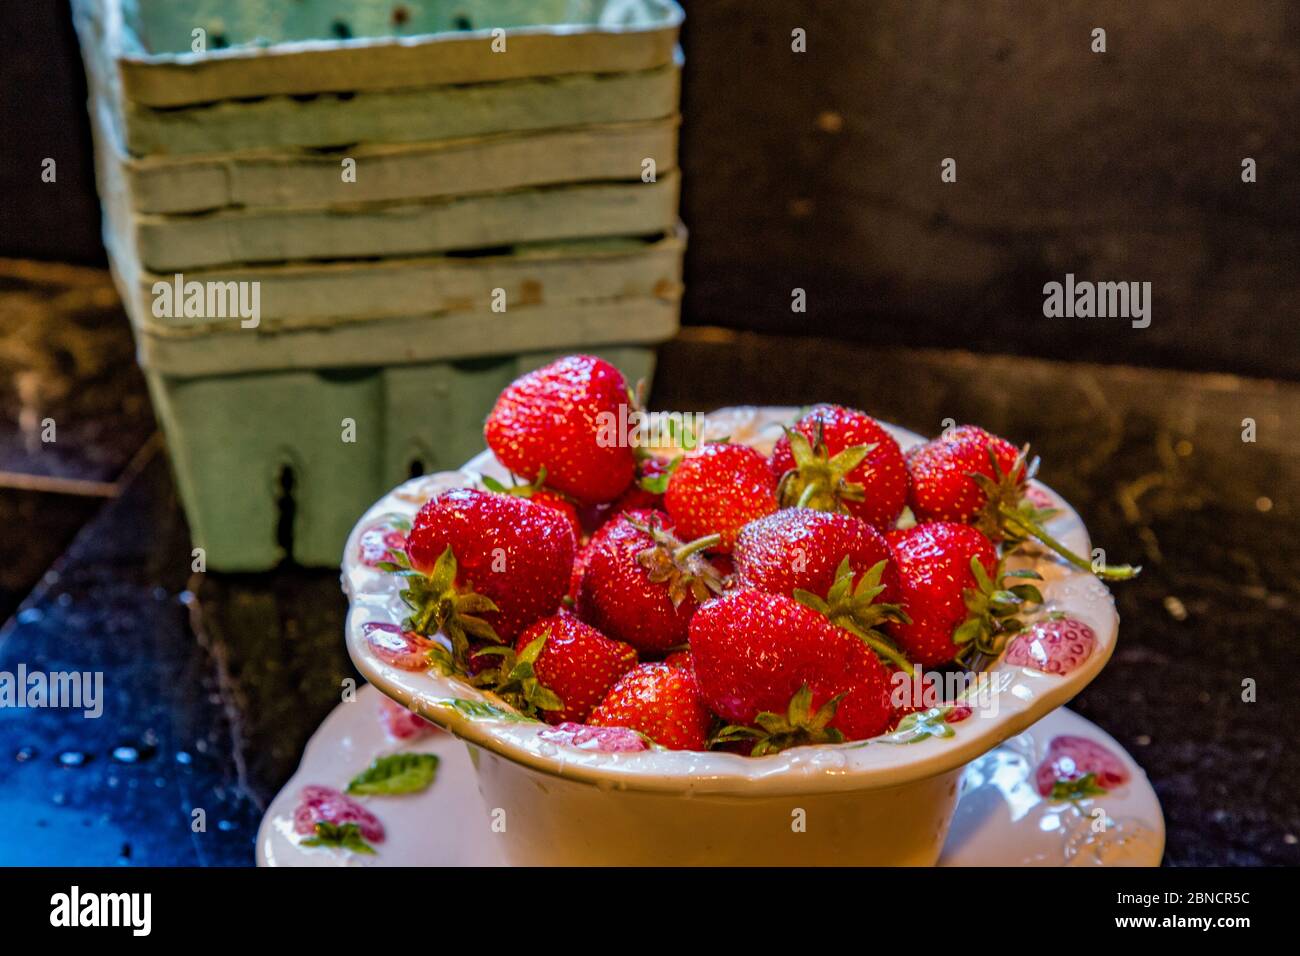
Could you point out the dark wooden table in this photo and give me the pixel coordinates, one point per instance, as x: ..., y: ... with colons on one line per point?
x: 213, y: 683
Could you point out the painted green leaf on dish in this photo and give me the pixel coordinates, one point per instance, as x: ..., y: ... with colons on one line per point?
x: 396, y: 773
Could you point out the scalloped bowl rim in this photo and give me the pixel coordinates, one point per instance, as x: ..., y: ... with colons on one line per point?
x: 1026, y: 694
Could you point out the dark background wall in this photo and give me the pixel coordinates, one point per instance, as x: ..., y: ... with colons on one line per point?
x: 821, y: 170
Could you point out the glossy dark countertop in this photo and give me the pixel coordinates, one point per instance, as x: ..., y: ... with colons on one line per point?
x: 213, y: 683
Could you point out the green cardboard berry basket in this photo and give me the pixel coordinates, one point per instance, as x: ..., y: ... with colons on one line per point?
x: 487, y: 171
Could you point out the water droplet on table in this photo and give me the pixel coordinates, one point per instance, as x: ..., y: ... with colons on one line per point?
x: 74, y: 758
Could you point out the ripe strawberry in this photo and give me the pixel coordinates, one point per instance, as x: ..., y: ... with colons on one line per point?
x: 799, y: 548
x: 563, y: 417
x: 641, y: 584
x: 840, y: 459
x: 717, y: 489
x: 834, y: 563
x: 972, y: 476
x: 766, y: 659
x: 953, y: 593
x: 661, y: 701
x: 1054, y: 645
x: 484, y: 565
x: 537, y: 492
x: 943, y: 484
x: 576, y: 663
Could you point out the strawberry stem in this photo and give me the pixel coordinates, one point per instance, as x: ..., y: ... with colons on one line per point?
x: 681, y: 566
x: 1118, y: 572
x: 819, y: 479
x: 699, y: 544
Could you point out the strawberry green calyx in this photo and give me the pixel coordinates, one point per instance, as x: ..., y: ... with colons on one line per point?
x: 514, y: 679
x: 817, y: 479
x: 438, y: 606
x: 991, y: 611
x: 521, y: 490
x: 1008, y: 515
x: 682, y: 565
x: 854, y: 609
x: 1006, y: 489
x: 798, y: 726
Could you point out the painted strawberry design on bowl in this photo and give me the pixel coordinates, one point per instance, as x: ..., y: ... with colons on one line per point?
x: 385, y: 536
x: 737, y: 636
x: 326, y: 817
x: 1056, y: 645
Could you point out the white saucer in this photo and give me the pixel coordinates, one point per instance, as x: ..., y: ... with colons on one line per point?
x: 1000, y: 820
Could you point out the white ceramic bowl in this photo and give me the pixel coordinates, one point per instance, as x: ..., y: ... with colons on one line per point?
x: 884, y: 801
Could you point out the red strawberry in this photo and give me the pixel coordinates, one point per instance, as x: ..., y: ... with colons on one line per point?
x: 641, y: 584
x: 557, y: 502
x: 972, y: 476
x: 517, y: 556
x: 765, y: 658
x: 538, y: 493
x: 840, y: 459
x: 717, y: 489
x: 799, y: 548
x: 576, y: 663
x: 943, y: 488
x: 564, y: 418
x: 1054, y: 645
x: 834, y: 563
x: 661, y: 701
x: 953, y: 592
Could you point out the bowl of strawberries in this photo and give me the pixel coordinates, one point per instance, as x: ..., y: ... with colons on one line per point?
x: 756, y: 636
